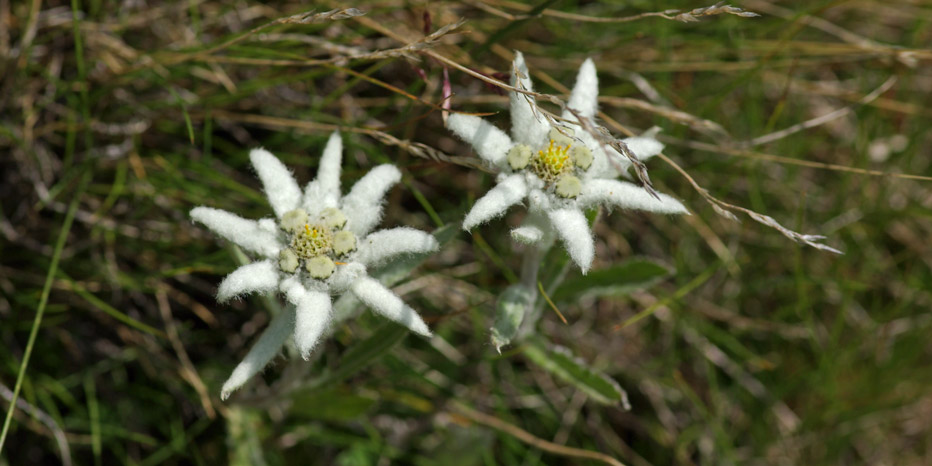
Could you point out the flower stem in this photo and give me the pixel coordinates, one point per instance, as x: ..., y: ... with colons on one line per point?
x: 530, y: 267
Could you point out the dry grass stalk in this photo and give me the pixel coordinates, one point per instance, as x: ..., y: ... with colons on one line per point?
x: 674, y: 15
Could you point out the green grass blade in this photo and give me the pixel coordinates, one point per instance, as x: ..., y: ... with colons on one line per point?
x: 620, y: 279
x: 110, y: 310
x: 562, y: 363
x: 43, y: 302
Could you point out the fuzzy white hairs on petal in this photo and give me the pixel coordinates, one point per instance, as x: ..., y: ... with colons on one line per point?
x: 268, y: 225
x: 491, y: 143
x: 505, y: 194
x: 293, y: 290
x: 384, y: 302
x: 573, y: 229
x: 535, y: 228
x: 246, y: 234
x: 539, y: 201
x: 312, y: 313
x: 585, y: 95
x: 280, y: 187
x: 266, y: 348
x: 383, y: 245
x: 363, y: 205
x: 312, y: 318
x: 324, y: 191
x: 527, y: 234
x: 345, y: 276
x: 644, y: 146
x: 258, y: 277
x: 527, y: 127
x: 615, y: 193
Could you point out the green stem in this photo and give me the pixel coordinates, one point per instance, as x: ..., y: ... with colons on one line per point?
x: 40, y: 311
x: 530, y: 268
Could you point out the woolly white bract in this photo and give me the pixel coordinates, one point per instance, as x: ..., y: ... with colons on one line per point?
x: 560, y: 171
x: 318, y: 245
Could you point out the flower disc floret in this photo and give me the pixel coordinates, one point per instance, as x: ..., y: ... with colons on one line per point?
x: 320, y: 267
x: 581, y: 156
x: 553, y: 162
x: 344, y: 242
x: 559, y: 164
x: 316, y: 243
x: 312, y: 241
x: 294, y: 220
x: 288, y: 260
x: 568, y: 186
x: 333, y: 218
x: 519, y: 156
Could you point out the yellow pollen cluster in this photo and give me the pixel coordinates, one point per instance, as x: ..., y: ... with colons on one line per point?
x: 552, y: 162
x: 313, y: 241
x: 316, y: 243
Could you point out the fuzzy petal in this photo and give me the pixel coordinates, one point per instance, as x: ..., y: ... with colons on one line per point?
x: 534, y: 228
x: 610, y: 165
x: 386, y: 244
x: 293, y: 290
x: 312, y: 319
x: 539, y: 201
x: 644, y: 147
x: 328, y: 175
x: 601, y: 167
x: 246, y: 234
x: 573, y: 228
x: 505, y: 194
x: 266, y: 348
x: 627, y: 196
x: 592, y: 143
x: 527, y: 234
x: 280, y: 187
x: 527, y: 127
x: 585, y: 95
x: 491, y: 143
x: 521, y: 66
x: 383, y: 301
x: 344, y: 277
x: 608, y: 162
x: 324, y: 191
x: 258, y: 277
x: 363, y: 205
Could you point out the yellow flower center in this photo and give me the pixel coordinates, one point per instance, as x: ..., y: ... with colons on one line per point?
x: 314, y: 241
x: 552, y: 162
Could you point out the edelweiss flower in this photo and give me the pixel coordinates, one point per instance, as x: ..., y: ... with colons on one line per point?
x: 562, y: 171
x: 317, y: 246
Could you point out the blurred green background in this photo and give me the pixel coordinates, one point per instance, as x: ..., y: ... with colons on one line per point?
x: 741, y: 347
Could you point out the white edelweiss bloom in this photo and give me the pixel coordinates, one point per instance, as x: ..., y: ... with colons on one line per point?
x: 559, y: 171
x: 318, y: 245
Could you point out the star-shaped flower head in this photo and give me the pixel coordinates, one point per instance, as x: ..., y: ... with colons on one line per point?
x: 561, y: 170
x: 318, y: 245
